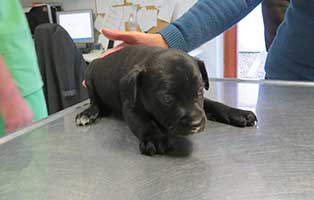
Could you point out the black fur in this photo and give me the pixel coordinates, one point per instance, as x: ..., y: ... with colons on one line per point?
x: 159, y: 92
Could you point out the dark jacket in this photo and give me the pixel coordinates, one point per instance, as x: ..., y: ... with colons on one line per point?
x: 61, y: 65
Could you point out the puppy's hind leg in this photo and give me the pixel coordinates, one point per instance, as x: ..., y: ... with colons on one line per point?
x: 216, y: 111
x: 94, y: 111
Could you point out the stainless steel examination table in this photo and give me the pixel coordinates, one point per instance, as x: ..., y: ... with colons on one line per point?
x: 54, y: 159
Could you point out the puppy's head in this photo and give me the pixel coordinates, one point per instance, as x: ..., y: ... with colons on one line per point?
x: 170, y: 88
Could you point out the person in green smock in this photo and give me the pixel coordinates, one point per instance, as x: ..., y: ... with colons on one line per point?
x: 21, y: 96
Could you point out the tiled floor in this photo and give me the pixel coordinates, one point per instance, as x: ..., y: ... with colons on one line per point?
x: 251, y: 65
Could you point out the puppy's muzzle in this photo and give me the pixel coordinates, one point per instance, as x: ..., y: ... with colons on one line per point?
x: 193, y: 124
x: 196, y: 126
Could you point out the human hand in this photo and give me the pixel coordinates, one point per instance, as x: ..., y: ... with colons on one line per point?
x: 133, y: 38
x: 15, y: 112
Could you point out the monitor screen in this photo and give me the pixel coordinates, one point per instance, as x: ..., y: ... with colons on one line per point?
x: 79, y: 25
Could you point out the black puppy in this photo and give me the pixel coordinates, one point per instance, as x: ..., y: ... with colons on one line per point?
x: 159, y: 92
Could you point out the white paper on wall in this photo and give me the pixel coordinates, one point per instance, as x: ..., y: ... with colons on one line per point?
x: 144, y: 3
x: 166, y: 11
x: 147, y: 3
x: 147, y: 19
x: 99, y: 23
x: 137, y: 2
x: 159, y: 3
x: 114, y: 19
x: 116, y: 2
x: 102, y: 5
x: 126, y: 11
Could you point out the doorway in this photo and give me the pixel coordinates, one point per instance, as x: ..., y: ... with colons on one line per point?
x: 251, y: 46
x: 244, y: 48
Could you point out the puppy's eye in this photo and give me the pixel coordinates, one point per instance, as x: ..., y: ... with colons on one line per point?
x: 167, y: 99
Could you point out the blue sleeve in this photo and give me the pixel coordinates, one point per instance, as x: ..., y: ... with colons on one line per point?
x: 204, y: 21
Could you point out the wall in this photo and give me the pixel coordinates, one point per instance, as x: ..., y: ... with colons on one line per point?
x: 67, y: 4
x: 211, y: 53
x: 182, y: 7
x: 91, y: 4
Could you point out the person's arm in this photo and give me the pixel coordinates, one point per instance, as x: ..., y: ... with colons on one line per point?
x: 204, y: 21
x: 13, y: 109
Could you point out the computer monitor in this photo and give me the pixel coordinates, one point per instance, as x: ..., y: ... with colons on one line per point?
x: 79, y: 25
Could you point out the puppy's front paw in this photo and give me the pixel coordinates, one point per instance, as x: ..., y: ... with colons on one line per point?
x: 242, y: 118
x: 151, y: 146
x: 86, y: 117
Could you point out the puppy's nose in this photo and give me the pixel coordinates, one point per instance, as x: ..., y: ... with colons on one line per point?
x: 188, y: 121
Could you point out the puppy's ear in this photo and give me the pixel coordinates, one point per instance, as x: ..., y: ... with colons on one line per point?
x: 129, y: 84
x: 203, y: 71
